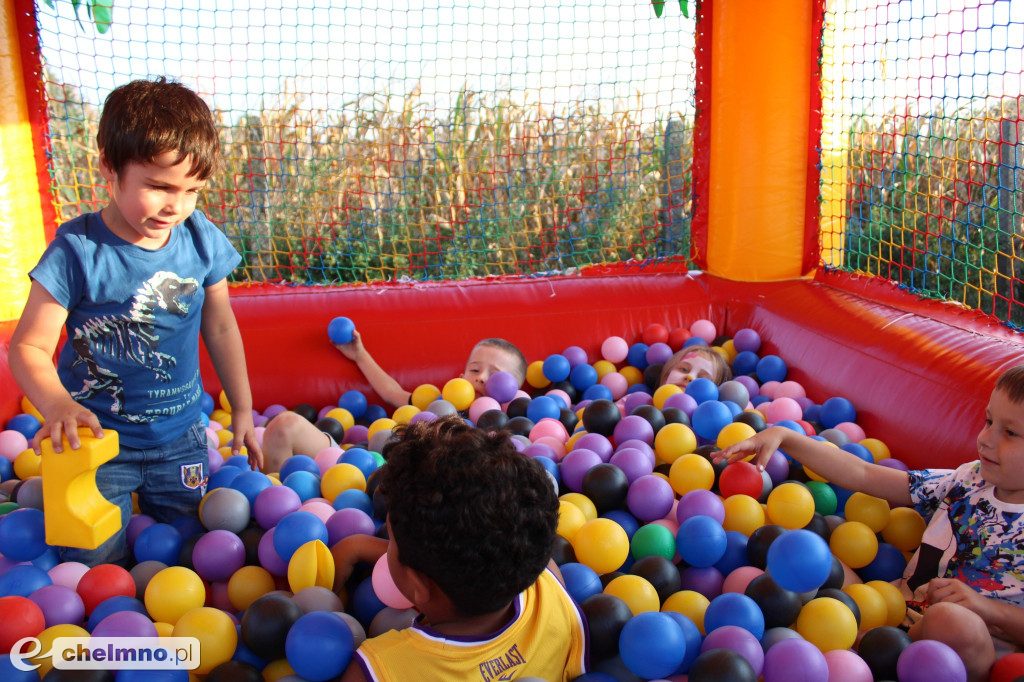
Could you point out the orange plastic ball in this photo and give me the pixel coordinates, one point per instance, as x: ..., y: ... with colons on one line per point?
x: 424, y: 394
x: 691, y: 472
x: 459, y: 392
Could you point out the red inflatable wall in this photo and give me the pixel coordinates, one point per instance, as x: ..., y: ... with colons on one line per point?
x: 919, y: 372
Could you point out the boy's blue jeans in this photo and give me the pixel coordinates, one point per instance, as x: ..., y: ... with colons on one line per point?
x: 170, y: 480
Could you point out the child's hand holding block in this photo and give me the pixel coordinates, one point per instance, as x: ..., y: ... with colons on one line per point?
x: 77, y: 515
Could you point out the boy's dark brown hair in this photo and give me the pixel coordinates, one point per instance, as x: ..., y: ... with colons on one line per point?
x: 1012, y: 383
x: 511, y: 349
x: 146, y: 118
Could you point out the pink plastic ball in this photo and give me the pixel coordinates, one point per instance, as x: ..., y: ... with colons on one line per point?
x: 481, y: 405
x: 561, y: 395
x: 549, y: 428
x: 790, y: 389
x: 260, y: 430
x: 319, y: 508
x: 12, y: 444
x: 769, y: 389
x: 67, y: 574
x: 614, y: 349
x: 738, y: 580
x: 384, y: 585
x: 327, y: 458
x: 853, y: 430
x: 704, y: 329
x: 557, y: 445
x: 616, y: 383
x: 783, y: 408
x: 846, y: 666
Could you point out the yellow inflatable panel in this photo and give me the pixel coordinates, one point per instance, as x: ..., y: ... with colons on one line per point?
x: 77, y: 515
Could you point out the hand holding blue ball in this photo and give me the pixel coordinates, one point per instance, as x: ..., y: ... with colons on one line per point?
x: 340, y: 330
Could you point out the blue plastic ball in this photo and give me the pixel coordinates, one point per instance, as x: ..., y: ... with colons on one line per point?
x: 556, y: 368
x: 791, y: 425
x: 735, y: 554
x: 622, y: 517
x: 160, y: 542
x: 799, y: 560
x: 22, y: 580
x: 319, y: 646
x: 709, y: 418
x: 354, y: 498
x: 551, y: 466
x: 652, y: 645
x: 888, y: 565
x: 295, y: 530
x: 23, y: 534
x: 299, y: 463
x: 354, y: 402
x: 112, y: 605
x: 25, y: 424
x: 238, y: 461
x: 206, y: 403
x: 842, y: 495
x: 6, y: 469
x: 251, y: 483
x: 361, y: 459
x: 580, y: 580
x: 9, y: 673
x: 859, y: 451
x: 694, y: 341
x: 365, y: 602
x: 692, y: 635
x: 340, y: 329
x: 812, y: 413
x: 188, y: 526
x: 701, y: 541
x: 702, y: 390
x: 597, y: 392
x: 222, y: 478
x: 543, y: 407
x: 306, y: 484
x: 745, y: 362
x: 836, y: 411
x: 637, y: 355
x: 583, y: 377
x: 732, y: 608
x: 771, y: 368
x: 373, y: 413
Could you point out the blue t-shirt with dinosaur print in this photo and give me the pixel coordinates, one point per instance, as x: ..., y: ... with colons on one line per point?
x: 132, y: 350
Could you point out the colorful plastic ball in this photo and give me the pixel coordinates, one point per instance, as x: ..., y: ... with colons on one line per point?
x: 653, y: 540
x: 904, y: 528
x: 601, y: 544
x: 709, y: 418
x: 60, y: 604
x: 779, y: 605
x: 795, y: 659
x: 384, y: 585
x: 214, y: 629
x: 581, y: 581
x: 735, y: 556
x: 650, y: 497
x: 556, y: 368
x: 872, y: 606
x: 652, y: 645
x: 771, y: 368
x: 68, y: 573
x: 747, y: 339
x: 12, y: 444
x: 265, y: 624
x: 305, y: 483
x: 24, y: 423
x: 672, y: 442
x: 340, y: 477
x: 125, y: 624
x: 791, y: 505
x: 601, y: 416
x: 104, y: 581
x: 702, y: 390
x: 273, y: 504
x: 633, y: 463
x: 738, y: 640
x: 614, y: 349
x: 731, y: 608
x: 636, y: 356
x: 881, y: 648
x: 575, y: 465
x: 319, y: 646
x: 639, y: 594
x: 691, y: 472
x: 929, y: 660
x: 854, y: 543
x: 570, y: 520
x: 606, y: 485
x: 827, y: 623
x: 295, y: 530
x: 871, y: 511
x: 799, y: 560
x: 606, y: 616
x: 740, y: 478
x: 889, y: 564
x: 743, y: 514
x: 19, y: 617
x: 721, y: 665
x: 172, y: 592
x: 1008, y: 668
x: 22, y: 534
x: 223, y: 508
x: 701, y: 541
x: 745, y: 363
x: 217, y: 555
x: 162, y: 542
x: 837, y: 410
x: 704, y: 329
x: 339, y: 330
x: 661, y: 573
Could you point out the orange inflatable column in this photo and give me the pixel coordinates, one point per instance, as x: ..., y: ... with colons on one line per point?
x: 762, y: 66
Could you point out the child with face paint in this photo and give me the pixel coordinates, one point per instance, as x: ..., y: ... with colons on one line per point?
x: 695, y: 362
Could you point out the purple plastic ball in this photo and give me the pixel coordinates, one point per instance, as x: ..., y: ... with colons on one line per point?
x: 540, y: 450
x: 274, y: 410
x: 125, y: 624
x: 929, y: 660
x: 682, y: 401
x: 575, y: 355
x: 707, y: 580
x: 795, y: 659
x: 136, y: 524
x: 217, y: 555
x: 595, y: 442
x: 750, y: 383
x: 349, y: 521
x: 658, y: 353
x: 268, y: 556
x: 736, y: 639
x: 635, y: 400
x: 746, y: 339
x: 273, y: 504
x: 633, y: 462
x: 575, y: 465
x: 700, y: 503
x: 502, y: 386
x: 60, y: 605
x: 893, y: 463
x: 633, y: 427
x: 650, y: 498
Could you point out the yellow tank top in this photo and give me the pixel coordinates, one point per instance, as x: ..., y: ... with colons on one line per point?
x: 546, y: 638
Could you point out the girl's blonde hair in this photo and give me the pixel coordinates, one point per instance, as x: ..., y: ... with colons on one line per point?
x: 722, y: 371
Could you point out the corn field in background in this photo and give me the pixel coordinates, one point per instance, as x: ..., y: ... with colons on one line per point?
x: 377, y: 192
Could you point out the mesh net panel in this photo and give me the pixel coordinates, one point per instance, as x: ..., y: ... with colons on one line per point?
x: 361, y: 144
x: 922, y: 147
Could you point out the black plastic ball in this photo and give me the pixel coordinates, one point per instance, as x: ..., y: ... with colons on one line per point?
x: 754, y: 420
x: 779, y: 605
x: 185, y: 553
x: 652, y: 375
x: 819, y: 526
x: 606, y: 486
x: 563, y: 552
x: 519, y: 426
x: 759, y: 542
x: 675, y: 415
x: 235, y: 671
x: 606, y: 615
x: 566, y: 386
x: 721, y: 665
x: 492, y: 420
x: 266, y: 622
x: 661, y: 573
x: 307, y: 411
x: 836, y: 576
x: 601, y: 416
x: 517, y: 408
x: 250, y: 538
x: 880, y: 648
x: 653, y: 416
x: 568, y: 418
x: 332, y: 427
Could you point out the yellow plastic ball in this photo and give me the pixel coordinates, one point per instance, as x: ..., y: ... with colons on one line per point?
x: 583, y: 502
x: 638, y: 593
x: 312, y: 565
x: 27, y: 464
x: 633, y: 375
x: 872, y: 511
x: 226, y: 451
x: 790, y: 505
x: 604, y: 367
x: 163, y: 629
x: 571, y: 443
x: 905, y: 529
x: 673, y: 441
x: 29, y: 408
x: 46, y: 639
x: 721, y: 351
x: 379, y: 425
x: 877, y: 448
x: 873, y: 609
x: 222, y: 400
x: 662, y: 393
x: 895, y: 606
x: 224, y: 437
x: 340, y: 477
x: 424, y: 394
x: 222, y: 417
x: 733, y: 433
x: 601, y: 544
x: 729, y: 351
x: 691, y: 472
x: 216, y: 633
x: 248, y: 584
x: 691, y: 604
x: 743, y: 514
x: 275, y: 670
x: 570, y: 519
x: 535, y: 374
x: 343, y: 416
x: 404, y: 413
x: 854, y: 543
x: 173, y: 591
x: 828, y: 624
x: 459, y: 392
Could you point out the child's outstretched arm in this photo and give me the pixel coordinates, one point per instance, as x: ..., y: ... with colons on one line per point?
x: 31, y: 360
x: 382, y: 383
x: 224, y: 344
x: 825, y: 459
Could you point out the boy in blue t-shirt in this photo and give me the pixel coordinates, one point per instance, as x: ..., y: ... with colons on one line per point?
x: 134, y: 286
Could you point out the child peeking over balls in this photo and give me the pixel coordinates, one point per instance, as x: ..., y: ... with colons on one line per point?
x: 472, y: 527
x: 695, y: 362
x: 289, y: 433
x: 968, y: 574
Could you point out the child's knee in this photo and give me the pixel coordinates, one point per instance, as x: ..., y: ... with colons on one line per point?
x: 964, y: 631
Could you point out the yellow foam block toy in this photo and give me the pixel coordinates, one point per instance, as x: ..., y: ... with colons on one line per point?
x: 76, y: 513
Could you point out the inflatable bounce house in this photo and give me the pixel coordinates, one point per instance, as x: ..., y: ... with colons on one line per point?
x: 770, y: 203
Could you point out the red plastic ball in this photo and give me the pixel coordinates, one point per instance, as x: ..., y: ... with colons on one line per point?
x: 741, y: 478
x: 20, y: 617
x: 1008, y: 668
x: 102, y: 582
x: 677, y: 337
x: 655, y: 333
